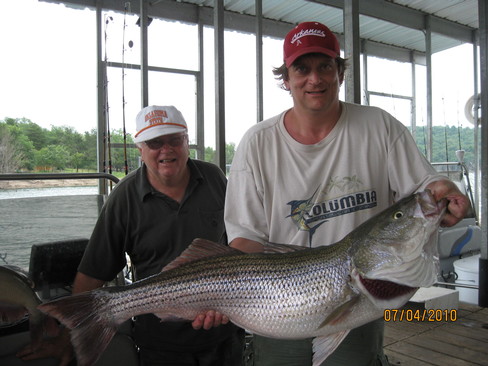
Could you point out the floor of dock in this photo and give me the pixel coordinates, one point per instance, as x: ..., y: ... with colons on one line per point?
x: 412, y: 341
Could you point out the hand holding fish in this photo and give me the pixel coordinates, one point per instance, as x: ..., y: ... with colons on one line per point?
x: 209, y: 320
x: 458, y: 203
x: 58, y: 347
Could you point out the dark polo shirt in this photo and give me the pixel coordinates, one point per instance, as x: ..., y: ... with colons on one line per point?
x: 153, y: 229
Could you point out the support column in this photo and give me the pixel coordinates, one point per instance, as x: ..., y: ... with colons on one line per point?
x: 352, y: 51
x: 483, y: 41
x: 144, y: 55
x: 259, y: 59
x: 428, y: 58
x: 219, y: 83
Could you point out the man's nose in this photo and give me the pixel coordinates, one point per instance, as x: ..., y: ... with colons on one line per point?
x: 314, y: 77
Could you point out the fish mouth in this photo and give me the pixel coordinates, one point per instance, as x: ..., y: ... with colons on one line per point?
x: 428, y: 205
x: 385, y: 290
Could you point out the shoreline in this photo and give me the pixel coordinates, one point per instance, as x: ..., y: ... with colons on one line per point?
x: 47, y: 183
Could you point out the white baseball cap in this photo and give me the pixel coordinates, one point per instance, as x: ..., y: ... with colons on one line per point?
x: 154, y: 121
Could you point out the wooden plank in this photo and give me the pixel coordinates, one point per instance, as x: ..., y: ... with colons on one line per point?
x: 478, y: 316
x: 468, y: 332
x: 455, y: 351
x: 424, y: 354
x: 395, y: 358
x: 477, y: 345
x: 464, y: 306
x: 387, y: 341
x: 399, y: 333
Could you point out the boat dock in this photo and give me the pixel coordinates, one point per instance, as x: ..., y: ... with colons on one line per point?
x: 417, y: 342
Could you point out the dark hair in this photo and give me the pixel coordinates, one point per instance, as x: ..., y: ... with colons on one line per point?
x: 281, y: 73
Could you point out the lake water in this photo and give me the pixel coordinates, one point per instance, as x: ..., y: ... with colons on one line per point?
x: 36, y: 216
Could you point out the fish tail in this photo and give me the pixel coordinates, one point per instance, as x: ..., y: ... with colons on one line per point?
x: 90, y: 320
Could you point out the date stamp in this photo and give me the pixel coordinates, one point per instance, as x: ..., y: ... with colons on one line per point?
x: 420, y: 315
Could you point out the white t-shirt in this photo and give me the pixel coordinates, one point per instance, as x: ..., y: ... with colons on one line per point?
x: 282, y: 191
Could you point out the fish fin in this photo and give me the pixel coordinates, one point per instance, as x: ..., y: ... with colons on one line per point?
x: 272, y: 248
x: 198, y: 249
x: 91, y: 322
x: 324, y: 346
x: 340, y: 313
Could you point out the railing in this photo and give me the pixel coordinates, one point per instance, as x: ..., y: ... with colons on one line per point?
x: 42, y: 176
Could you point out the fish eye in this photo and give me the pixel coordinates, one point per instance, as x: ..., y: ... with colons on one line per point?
x: 398, y: 215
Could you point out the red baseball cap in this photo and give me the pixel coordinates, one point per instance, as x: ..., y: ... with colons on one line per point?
x: 310, y: 37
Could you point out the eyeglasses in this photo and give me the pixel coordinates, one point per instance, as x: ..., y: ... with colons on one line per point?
x: 156, y: 144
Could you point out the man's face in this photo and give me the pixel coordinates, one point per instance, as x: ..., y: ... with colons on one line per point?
x: 166, y: 156
x: 314, y: 82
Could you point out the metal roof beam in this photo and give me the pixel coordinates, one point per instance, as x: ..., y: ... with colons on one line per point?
x: 407, y: 17
x: 193, y: 14
x: 189, y: 13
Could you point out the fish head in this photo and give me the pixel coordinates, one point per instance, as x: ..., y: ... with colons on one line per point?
x: 398, y: 246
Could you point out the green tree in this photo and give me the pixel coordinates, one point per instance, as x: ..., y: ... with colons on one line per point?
x: 230, y: 150
x: 11, y: 159
x: 36, y: 134
x: 210, y: 154
x: 53, y: 157
x: 19, y: 143
x: 77, y: 160
x: 90, y: 150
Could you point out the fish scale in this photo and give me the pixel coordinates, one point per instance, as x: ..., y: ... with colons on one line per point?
x: 289, y: 292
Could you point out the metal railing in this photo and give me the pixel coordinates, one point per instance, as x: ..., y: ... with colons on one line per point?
x: 42, y: 176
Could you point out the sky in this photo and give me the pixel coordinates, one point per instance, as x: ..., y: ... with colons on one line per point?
x: 48, y: 73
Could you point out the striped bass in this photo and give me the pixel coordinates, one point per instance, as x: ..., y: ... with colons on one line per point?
x: 289, y: 292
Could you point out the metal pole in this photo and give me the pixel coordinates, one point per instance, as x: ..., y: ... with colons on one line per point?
x: 259, y: 59
x: 475, y: 122
x: 200, y: 96
x: 101, y: 125
x: 143, y: 20
x: 365, y: 73
x: 219, y: 83
x: 428, y: 57
x: 352, y: 51
x: 413, y: 105
x: 483, y: 263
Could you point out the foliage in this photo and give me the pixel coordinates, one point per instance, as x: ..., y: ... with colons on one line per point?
x: 445, y: 142
x: 10, y: 155
x: 25, y: 146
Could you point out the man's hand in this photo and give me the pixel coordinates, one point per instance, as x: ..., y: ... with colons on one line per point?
x: 209, y: 320
x: 458, y: 204
x: 58, y: 347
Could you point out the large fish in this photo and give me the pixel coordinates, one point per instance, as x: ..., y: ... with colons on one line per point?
x: 18, y: 301
x: 292, y: 293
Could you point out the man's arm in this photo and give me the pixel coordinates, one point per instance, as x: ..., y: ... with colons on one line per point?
x: 84, y: 283
x: 246, y: 245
